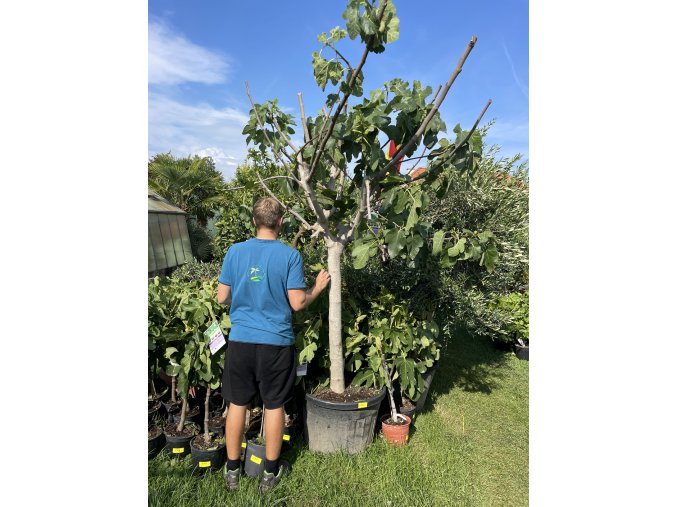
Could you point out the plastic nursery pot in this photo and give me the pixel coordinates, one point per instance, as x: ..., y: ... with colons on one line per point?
x: 522, y: 352
x: 155, y: 410
x: 217, y: 425
x: 156, y: 441
x: 395, y: 434
x: 209, y: 459
x: 192, y: 416
x: 427, y: 380
x: 334, y: 426
x: 254, y: 458
x: 179, y: 446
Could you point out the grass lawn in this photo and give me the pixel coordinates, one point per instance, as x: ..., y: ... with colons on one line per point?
x: 469, y: 447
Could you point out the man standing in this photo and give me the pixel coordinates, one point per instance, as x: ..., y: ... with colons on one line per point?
x: 262, y: 280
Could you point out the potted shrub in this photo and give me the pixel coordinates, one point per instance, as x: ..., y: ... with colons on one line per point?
x: 513, y: 314
x: 196, y: 307
x: 208, y: 450
x: 408, y: 345
x: 370, y: 210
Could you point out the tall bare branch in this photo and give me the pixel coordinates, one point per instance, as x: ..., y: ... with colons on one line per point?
x: 436, y: 105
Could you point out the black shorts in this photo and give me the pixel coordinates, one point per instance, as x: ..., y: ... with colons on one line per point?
x: 252, y: 367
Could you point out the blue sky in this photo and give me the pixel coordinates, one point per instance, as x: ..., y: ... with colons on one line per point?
x: 201, y: 53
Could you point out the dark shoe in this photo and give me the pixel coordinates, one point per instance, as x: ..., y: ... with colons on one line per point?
x: 269, y: 481
x: 232, y: 478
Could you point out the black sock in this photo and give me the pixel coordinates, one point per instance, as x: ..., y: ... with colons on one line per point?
x: 232, y: 464
x: 272, y: 466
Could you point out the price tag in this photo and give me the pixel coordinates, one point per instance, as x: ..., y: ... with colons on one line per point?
x: 215, y: 336
x: 177, y: 450
x: 256, y: 459
x: 205, y: 464
x: 286, y: 437
x: 244, y: 445
x: 362, y: 404
x: 302, y: 370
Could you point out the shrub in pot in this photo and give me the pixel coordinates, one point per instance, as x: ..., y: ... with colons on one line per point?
x: 513, y: 314
x: 409, y: 346
x: 195, y: 308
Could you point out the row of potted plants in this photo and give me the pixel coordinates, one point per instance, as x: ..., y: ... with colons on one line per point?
x: 178, y: 315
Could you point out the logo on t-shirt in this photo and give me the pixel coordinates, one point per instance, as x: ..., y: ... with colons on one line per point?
x: 256, y: 274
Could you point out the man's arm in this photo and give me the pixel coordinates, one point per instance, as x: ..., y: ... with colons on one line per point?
x: 223, y: 294
x: 300, y: 299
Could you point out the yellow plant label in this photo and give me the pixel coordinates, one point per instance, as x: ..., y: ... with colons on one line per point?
x: 205, y: 464
x: 256, y: 459
x: 244, y: 445
x: 177, y: 450
x: 362, y: 404
x: 286, y: 437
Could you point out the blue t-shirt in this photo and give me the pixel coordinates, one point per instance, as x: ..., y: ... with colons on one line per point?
x: 259, y: 272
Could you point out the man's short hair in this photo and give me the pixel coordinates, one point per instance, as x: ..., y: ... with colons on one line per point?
x: 267, y: 212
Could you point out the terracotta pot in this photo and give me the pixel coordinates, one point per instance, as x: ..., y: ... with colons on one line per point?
x: 395, y: 434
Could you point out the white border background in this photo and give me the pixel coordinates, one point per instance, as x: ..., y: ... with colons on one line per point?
x: 74, y: 152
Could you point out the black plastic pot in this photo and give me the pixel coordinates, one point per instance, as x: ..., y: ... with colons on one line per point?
x: 217, y: 430
x: 170, y: 409
x: 330, y: 426
x: 427, y: 380
x: 522, y: 352
x: 155, y: 445
x: 196, y: 418
x: 207, y: 460
x: 155, y: 409
x: 178, y: 447
x: 254, y: 458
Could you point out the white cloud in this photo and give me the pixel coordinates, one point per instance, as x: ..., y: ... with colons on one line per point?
x: 200, y: 129
x: 173, y: 59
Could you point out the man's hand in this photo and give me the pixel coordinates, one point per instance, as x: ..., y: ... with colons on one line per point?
x: 300, y: 299
x: 322, y: 280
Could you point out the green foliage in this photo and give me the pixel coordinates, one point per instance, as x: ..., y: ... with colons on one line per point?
x: 513, y: 311
x: 496, y: 198
x: 386, y: 327
x: 192, y: 183
x: 410, y: 346
x: 200, y: 241
x: 179, y: 313
x: 195, y: 271
x: 234, y: 221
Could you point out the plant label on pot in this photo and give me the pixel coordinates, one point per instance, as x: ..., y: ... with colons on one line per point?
x: 256, y: 459
x: 215, y: 336
x: 302, y: 369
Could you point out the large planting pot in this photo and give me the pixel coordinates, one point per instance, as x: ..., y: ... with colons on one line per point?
x: 522, y: 352
x: 330, y: 426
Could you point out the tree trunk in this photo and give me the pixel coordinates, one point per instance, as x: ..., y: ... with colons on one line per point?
x: 335, y: 250
x: 184, y: 411
x: 174, y: 388
x: 209, y: 392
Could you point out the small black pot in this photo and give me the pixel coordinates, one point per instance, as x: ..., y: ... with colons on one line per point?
x: 217, y: 430
x: 155, y: 409
x: 203, y: 461
x: 254, y: 458
x: 522, y: 352
x: 196, y: 418
x: 178, y: 447
x: 155, y: 445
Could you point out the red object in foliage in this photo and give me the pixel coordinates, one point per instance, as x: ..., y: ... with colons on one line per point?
x: 390, y: 153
